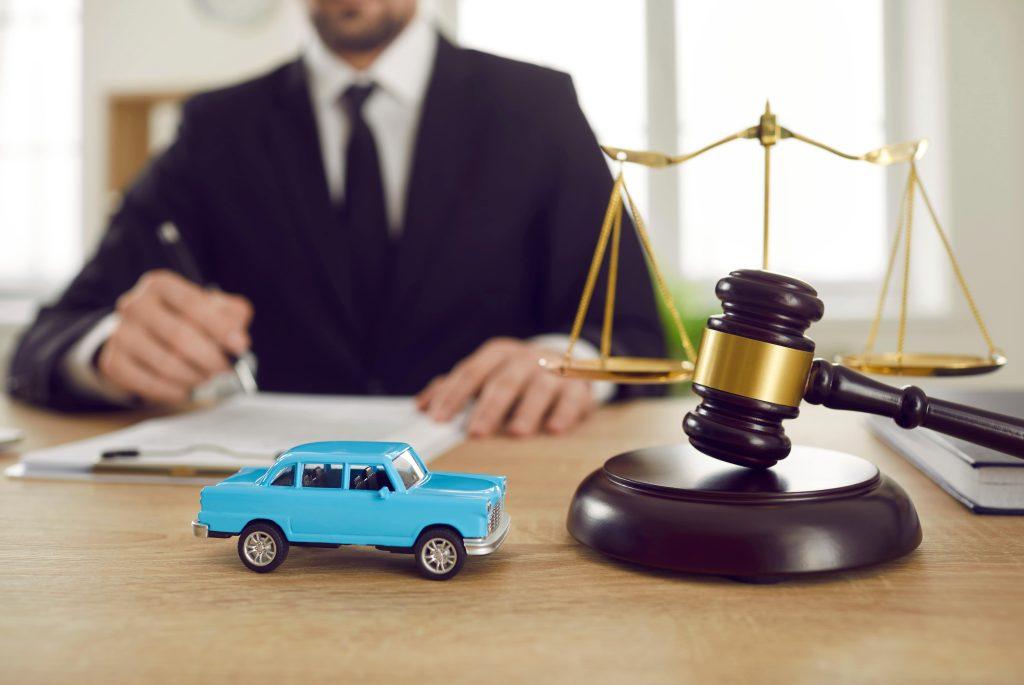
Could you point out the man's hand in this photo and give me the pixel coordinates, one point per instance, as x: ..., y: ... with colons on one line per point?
x: 511, y: 390
x: 172, y: 336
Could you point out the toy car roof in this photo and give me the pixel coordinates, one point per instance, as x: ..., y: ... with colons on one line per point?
x: 367, y: 451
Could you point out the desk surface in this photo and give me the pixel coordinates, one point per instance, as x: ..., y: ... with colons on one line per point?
x: 105, y: 583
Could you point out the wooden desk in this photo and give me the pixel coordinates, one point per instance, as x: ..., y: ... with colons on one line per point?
x: 105, y: 583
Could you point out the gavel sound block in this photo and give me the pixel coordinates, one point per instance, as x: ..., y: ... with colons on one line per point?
x: 740, y: 500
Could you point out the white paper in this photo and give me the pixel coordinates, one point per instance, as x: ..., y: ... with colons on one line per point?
x: 248, y: 430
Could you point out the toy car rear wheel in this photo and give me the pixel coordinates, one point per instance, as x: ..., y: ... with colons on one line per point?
x: 439, y: 553
x: 262, y: 547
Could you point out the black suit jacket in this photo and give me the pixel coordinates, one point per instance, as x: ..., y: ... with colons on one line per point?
x: 506, y: 195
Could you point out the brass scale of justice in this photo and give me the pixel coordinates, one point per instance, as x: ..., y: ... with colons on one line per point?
x: 768, y: 132
x: 797, y: 509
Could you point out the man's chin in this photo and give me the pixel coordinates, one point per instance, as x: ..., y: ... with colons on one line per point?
x: 350, y: 38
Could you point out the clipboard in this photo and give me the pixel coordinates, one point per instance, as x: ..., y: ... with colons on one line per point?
x: 242, y: 431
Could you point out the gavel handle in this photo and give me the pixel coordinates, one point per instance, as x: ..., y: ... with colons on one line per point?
x: 838, y: 387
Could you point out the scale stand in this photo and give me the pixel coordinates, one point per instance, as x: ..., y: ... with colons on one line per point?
x: 769, y: 133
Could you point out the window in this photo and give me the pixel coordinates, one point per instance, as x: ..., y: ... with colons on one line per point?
x: 285, y: 478
x: 408, y: 468
x: 40, y: 143
x: 322, y: 475
x: 822, y: 67
x: 369, y: 478
x: 599, y: 42
x: 675, y: 75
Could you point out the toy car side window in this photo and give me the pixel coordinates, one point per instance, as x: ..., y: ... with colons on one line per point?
x: 322, y: 475
x: 285, y: 478
x: 357, y: 475
x: 382, y: 480
x: 369, y: 478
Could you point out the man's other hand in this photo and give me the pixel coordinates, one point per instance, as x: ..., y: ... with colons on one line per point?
x: 511, y: 391
x: 172, y: 336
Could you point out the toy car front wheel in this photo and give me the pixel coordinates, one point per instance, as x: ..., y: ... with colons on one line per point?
x: 262, y: 547
x: 439, y: 553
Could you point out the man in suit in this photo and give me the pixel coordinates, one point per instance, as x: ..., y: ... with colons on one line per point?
x: 388, y: 214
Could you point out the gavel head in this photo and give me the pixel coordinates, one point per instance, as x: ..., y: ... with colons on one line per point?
x: 752, y: 367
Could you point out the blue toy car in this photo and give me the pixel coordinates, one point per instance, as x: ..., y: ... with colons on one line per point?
x: 327, y: 494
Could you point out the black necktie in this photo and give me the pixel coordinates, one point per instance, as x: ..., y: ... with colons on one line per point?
x: 364, y: 216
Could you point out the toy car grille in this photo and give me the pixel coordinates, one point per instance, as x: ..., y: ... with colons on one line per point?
x: 492, y: 522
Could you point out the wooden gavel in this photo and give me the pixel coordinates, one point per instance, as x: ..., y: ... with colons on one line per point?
x: 755, y: 365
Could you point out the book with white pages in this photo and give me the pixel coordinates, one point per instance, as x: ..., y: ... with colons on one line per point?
x: 982, y: 479
x: 244, y: 430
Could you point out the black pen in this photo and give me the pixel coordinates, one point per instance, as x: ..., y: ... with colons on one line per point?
x: 185, y: 264
x: 183, y: 451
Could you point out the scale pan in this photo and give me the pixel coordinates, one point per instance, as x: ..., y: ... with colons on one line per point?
x: 922, y: 364
x: 628, y: 370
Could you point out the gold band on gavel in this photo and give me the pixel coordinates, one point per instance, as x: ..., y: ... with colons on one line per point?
x: 752, y: 368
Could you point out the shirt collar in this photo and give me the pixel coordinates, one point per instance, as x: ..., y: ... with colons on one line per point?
x: 402, y: 69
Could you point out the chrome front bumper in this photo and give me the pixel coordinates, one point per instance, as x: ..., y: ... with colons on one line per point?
x: 480, y: 546
x: 200, y: 530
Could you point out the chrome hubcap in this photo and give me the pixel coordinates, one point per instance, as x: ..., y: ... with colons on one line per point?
x: 439, y: 555
x: 260, y: 548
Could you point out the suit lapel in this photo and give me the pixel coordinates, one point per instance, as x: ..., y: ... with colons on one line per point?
x: 295, y: 144
x: 440, y: 164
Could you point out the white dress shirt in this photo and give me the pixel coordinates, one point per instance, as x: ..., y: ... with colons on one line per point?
x: 402, y: 74
x: 392, y: 111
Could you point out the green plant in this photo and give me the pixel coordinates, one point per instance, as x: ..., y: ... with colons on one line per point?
x: 694, y: 306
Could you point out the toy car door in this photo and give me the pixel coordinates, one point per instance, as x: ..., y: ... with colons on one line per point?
x: 373, y: 511
x: 317, y: 513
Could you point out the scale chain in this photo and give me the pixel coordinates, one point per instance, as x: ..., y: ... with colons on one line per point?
x: 614, y: 206
x: 666, y: 296
x: 869, y: 346
x: 902, y: 332
x: 613, y: 277
x: 914, y: 184
x: 992, y: 349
